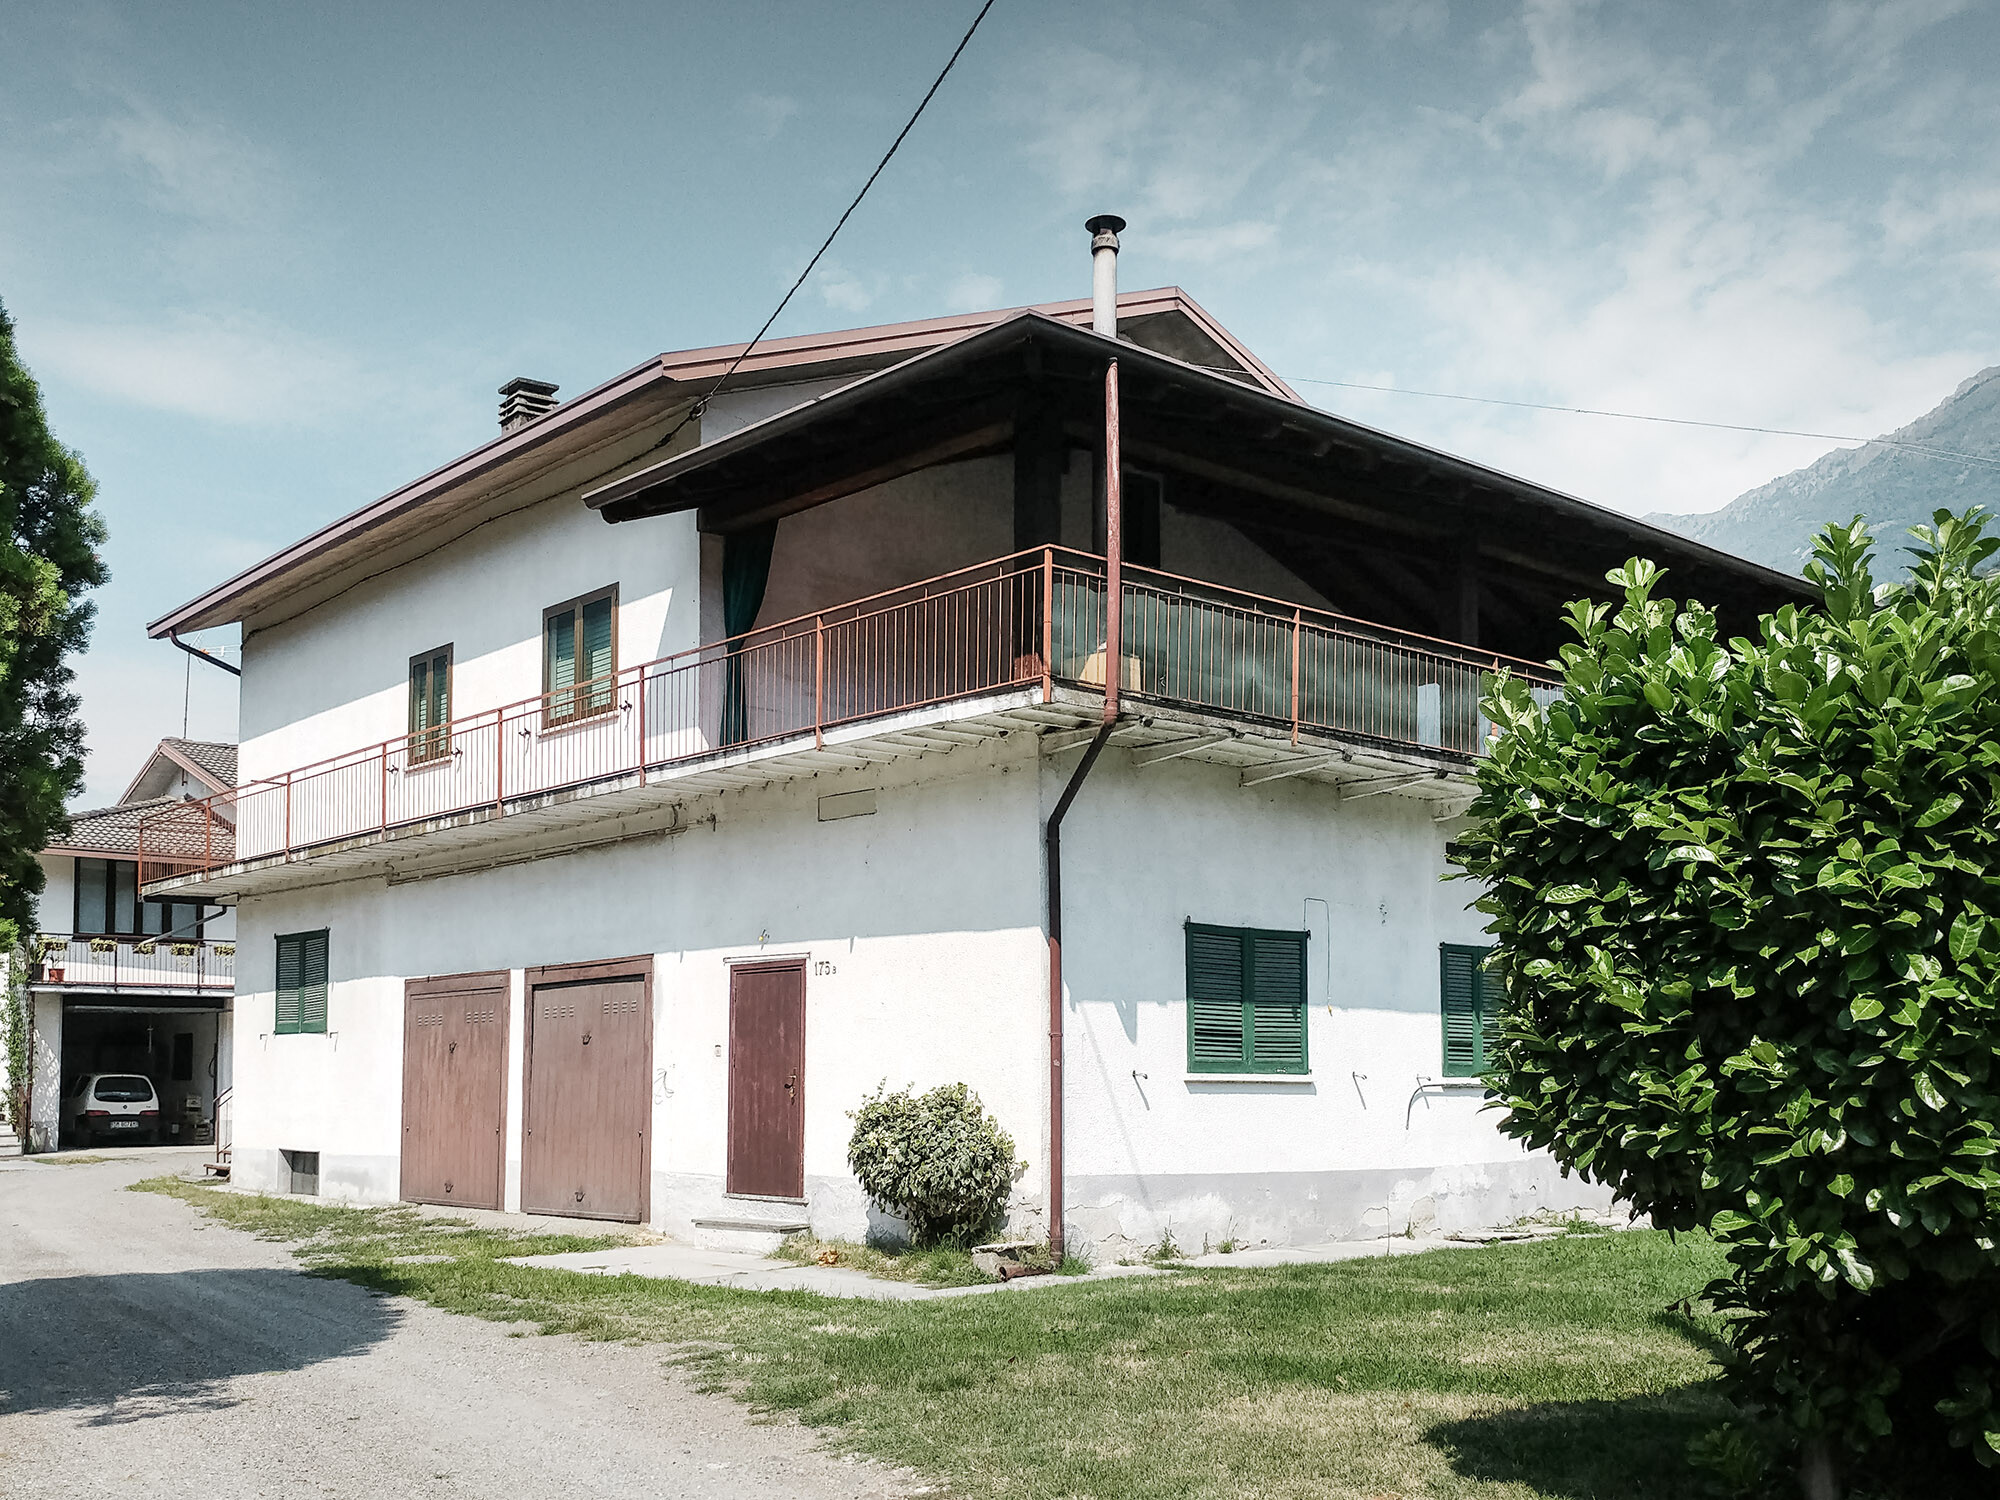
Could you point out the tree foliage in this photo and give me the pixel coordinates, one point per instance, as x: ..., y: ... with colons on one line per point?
x: 1748, y: 920
x: 937, y: 1161
x: 49, y: 537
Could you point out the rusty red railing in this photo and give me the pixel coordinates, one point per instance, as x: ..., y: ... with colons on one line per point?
x: 1033, y: 620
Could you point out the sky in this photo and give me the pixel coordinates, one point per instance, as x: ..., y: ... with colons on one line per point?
x: 269, y: 262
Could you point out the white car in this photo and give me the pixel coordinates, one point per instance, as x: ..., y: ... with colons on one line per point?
x: 107, y: 1107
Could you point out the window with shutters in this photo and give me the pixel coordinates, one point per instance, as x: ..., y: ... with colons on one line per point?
x: 430, y: 706
x: 1246, y: 1000
x: 1469, y: 999
x: 301, y: 983
x: 580, y: 656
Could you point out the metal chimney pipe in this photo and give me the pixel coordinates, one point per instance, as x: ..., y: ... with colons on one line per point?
x: 1104, y: 230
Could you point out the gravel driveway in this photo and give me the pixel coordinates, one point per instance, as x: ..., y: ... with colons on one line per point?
x: 147, y: 1352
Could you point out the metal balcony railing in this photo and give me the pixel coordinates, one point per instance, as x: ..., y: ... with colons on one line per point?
x: 81, y: 961
x: 1034, y: 620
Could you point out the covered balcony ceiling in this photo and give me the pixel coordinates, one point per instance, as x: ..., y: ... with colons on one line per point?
x: 1394, y: 531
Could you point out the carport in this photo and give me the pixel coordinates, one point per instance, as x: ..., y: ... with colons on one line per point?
x: 176, y: 1041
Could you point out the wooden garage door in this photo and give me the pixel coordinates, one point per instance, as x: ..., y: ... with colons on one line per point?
x: 767, y: 1085
x: 455, y: 1089
x: 588, y: 1109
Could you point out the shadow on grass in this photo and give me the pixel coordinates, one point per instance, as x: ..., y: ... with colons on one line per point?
x: 1589, y: 1450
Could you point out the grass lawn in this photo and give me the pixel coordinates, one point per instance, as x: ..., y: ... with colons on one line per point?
x: 1549, y: 1370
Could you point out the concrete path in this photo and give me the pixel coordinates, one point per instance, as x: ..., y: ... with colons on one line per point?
x: 148, y: 1353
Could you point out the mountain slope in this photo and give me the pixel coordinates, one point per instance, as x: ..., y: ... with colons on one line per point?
x: 1893, y: 487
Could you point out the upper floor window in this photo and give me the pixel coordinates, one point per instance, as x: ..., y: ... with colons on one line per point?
x: 107, y: 904
x: 580, y: 656
x: 1246, y: 996
x: 430, y: 705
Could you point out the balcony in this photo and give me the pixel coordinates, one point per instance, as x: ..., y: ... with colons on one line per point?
x: 120, y: 965
x: 1016, y: 642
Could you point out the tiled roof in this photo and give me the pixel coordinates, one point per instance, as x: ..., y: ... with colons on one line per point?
x: 218, y: 760
x: 110, y: 830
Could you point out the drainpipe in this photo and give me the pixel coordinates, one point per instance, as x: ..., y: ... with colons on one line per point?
x: 1052, y: 837
x: 1052, y: 845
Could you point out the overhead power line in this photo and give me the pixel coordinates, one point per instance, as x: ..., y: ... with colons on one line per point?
x: 1633, y: 416
x: 908, y: 125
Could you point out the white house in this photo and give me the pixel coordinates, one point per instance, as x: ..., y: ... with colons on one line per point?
x: 624, y: 800
x: 121, y: 982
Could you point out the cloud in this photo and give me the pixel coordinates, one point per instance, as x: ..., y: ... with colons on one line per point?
x: 198, y: 168
x: 220, y: 368
x: 769, y: 113
x: 1212, y: 243
x: 974, y: 292
x: 841, y: 289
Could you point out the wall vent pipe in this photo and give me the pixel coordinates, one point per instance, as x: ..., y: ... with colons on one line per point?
x: 522, y: 400
x: 1104, y: 230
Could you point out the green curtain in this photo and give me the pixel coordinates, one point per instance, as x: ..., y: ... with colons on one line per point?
x: 746, y: 568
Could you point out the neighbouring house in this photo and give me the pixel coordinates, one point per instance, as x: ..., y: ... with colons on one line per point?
x: 120, y: 981
x: 623, y: 801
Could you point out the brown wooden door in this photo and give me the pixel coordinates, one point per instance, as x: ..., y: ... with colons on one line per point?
x: 455, y: 1089
x: 767, y: 1080
x: 587, y: 1114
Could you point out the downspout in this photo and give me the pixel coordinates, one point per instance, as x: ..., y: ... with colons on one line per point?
x: 196, y: 651
x: 1106, y: 298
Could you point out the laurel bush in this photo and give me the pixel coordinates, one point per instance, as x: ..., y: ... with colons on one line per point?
x: 1747, y: 914
x: 936, y: 1160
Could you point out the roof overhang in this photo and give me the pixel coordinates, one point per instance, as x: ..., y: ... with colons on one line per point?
x: 1310, y: 466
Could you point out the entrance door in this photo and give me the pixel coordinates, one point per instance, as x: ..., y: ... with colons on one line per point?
x: 455, y: 1089
x: 767, y: 1085
x: 588, y: 1106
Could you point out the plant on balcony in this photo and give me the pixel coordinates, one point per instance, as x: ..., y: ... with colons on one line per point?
x: 185, y: 950
x: 53, y: 945
x: 1748, y: 920
x: 224, y: 950
x: 938, y: 1161
x: 148, y: 949
x: 104, y: 945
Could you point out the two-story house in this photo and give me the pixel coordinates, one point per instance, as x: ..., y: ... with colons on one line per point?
x: 1046, y: 700
x: 121, y: 982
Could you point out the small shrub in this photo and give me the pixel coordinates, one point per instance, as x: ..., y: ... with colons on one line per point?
x: 937, y: 1161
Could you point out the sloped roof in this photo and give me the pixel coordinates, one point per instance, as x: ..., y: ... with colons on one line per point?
x: 108, y: 830
x: 212, y: 760
x: 648, y: 395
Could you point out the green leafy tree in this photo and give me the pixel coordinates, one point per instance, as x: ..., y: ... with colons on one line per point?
x: 1747, y: 915
x: 49, y: 540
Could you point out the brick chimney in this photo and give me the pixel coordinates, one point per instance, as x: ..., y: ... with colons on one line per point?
x: 522, y: 400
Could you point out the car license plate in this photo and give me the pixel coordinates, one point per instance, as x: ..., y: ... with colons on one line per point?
x: 124, y: 1124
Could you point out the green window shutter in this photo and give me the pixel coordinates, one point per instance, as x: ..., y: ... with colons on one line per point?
x: 289, y: 954
x: 420, y: 696
x: 596, y: 653
x: 560, y: 633
x: 1217, y: 1039
x: 1470, y: 1003
x: 312, y: 982
x: 301, y: 983
x: 440, y: 689
x: 1277, y: 1001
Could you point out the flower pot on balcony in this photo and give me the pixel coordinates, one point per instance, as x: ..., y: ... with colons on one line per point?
x: 52, y: 973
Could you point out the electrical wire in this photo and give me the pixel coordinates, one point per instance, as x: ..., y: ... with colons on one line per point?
x: 951, y: 62
x: 1950, y: 454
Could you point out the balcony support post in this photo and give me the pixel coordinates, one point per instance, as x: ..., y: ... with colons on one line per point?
x: 1114, y: 551
x: 1048, y: 622
x: 1298, y: 624
x: 819, y: 682
x: 288, y: 815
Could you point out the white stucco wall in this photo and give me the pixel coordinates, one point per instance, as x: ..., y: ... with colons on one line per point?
x: 928, y: 917
x: 55, y: 908
x: 1343, y: 1154
x: 925, y: 917
x: 336, y: 678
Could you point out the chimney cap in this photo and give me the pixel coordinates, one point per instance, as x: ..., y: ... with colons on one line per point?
x: 1104, y: 230
x: 530, y: 386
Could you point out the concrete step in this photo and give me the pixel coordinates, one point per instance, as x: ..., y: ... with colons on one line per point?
x: 750, y: 1225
